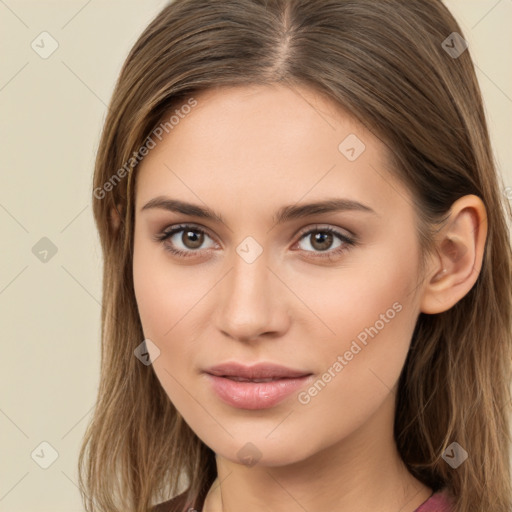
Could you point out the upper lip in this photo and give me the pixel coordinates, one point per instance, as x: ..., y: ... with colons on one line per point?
x: 257, y: 371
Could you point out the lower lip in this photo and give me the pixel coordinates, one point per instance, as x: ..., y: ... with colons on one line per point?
x: 255, y: 395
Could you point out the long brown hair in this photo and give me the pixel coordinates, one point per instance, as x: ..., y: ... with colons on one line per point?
x: 397, y: 67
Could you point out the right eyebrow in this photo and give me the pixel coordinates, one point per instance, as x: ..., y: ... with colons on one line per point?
x: 174, y: 205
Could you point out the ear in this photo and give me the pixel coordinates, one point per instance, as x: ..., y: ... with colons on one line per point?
x: 460, y: 248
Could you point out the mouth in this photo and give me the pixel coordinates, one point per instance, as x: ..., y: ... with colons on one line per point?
x: 259, y: 372
x: 243, y: 379
x: 255, y: 387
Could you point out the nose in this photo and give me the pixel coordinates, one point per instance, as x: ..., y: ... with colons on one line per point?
x: 251, y: 302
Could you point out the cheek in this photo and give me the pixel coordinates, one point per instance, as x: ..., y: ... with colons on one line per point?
x: 362, y: 363
x: 367, y: 291
x: 147, y: 281
x: 165, y: 293
x: 371, y: 311
x: 171, y: 301
x: 164, y: 298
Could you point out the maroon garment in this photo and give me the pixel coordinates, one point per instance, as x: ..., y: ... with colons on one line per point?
x: 438, y: 502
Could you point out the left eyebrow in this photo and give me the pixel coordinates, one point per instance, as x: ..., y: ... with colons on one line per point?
x: 284, y: 214
x: 292, y: 212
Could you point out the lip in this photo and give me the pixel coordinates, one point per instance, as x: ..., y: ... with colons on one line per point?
x: 257, y: 371
x: 255, y: 395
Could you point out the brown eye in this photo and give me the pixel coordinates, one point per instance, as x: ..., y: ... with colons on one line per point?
x: 184, y: 240
x: 192, y: 239
x: 325, y: 242
x: 321, y: 240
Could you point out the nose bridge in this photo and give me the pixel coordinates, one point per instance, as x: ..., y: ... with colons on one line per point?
x: 248, y: 305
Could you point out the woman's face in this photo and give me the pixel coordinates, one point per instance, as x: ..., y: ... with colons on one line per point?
x: 265, y: 282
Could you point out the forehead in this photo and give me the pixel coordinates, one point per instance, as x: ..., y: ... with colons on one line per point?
x: 266, y: 140
x: 278, y: 116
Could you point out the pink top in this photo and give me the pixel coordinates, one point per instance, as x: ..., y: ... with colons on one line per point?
x: 438, y: 502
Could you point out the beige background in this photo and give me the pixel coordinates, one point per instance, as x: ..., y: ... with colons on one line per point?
x: 52, y: 113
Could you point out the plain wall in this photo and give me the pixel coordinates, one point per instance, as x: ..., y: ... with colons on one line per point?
x: 52, y: 114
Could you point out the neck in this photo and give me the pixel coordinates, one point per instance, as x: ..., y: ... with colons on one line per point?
x: 361, y: 473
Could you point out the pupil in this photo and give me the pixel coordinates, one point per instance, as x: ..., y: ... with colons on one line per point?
x: 322, y: 238
x: 192, y: 240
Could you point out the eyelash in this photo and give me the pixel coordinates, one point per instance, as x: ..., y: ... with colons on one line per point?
x: 328, y: 254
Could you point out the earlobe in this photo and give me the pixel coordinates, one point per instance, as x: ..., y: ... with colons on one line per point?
x: 460, y: 249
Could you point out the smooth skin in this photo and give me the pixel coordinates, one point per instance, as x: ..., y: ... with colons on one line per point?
x: 244, y: 153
